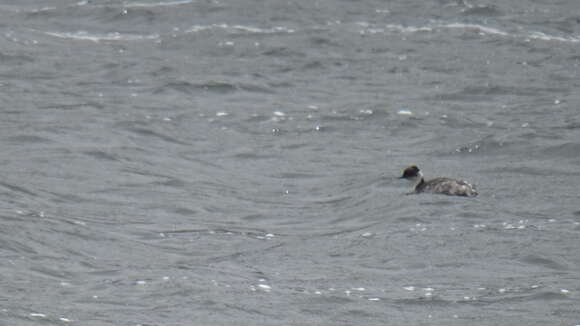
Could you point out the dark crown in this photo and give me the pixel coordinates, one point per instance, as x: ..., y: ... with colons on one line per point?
x: 410, y: 172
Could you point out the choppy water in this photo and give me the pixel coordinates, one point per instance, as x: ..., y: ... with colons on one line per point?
x: 236, y: 162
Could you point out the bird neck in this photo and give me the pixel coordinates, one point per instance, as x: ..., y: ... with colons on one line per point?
x: 420, y: 183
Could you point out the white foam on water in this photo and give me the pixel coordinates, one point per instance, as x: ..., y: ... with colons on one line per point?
x: 475, y: 27
x: 157, y: 4
x: 96, y: 37
x: 265, y: 287
x: 545, y: 37
x: 482, y: 30
x: 408, y: 29
x: 241, y: 28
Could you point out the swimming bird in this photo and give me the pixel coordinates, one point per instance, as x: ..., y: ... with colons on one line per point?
x: 444, y: 186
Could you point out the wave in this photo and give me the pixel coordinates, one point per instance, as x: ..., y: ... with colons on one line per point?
x: 138, y: 4
x: 241, y: 29
x: 365, y: 29
x: 480, y: 29
x: 97, y: 37
x: 157, y: 4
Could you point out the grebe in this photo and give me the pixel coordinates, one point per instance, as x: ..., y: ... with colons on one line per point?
x: 444, y: 186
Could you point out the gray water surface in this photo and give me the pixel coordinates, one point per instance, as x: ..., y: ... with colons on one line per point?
x: 236, y: 162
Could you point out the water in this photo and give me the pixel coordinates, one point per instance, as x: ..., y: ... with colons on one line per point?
x: 214, y: 163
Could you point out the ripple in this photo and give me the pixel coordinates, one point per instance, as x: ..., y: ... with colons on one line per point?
x: 190, y: 88
x: 543, y: 262
x: 28, y: 139
x: 215, y: 87
x: 482, y: 10
x: 101, y: 155
x: 566, y: 150
x: 151, y: 133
